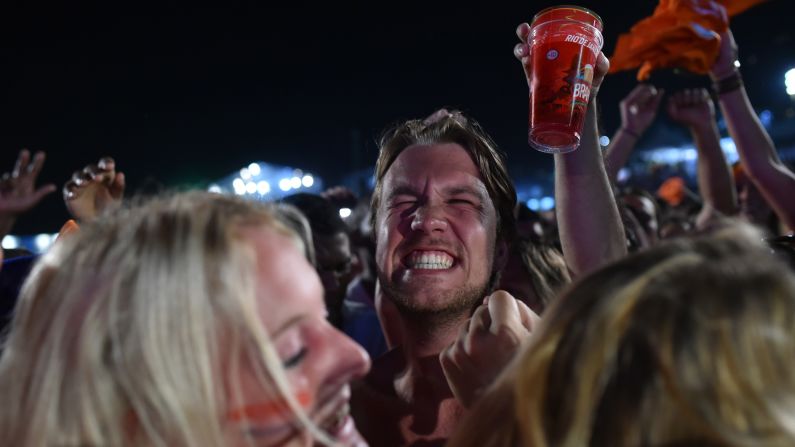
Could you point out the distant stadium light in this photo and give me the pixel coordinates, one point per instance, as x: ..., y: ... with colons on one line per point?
x: 789, y: 81
x: 239, y: 186
x: 245, y: 174
x: 284, y: 184
x: 214, y: 189
x: 345, y: 213
x: 10, y: 242
x: 623, y: 175
x: 42, y: 241
x: 308, y: 181
x: 254, y: 169
x: 546, y: 203
x: 263, y: 187
x: 251, y: 187
x: 766, y: 118
x: 604, y: 140
x: 533, y: 204
x: 295, y: 182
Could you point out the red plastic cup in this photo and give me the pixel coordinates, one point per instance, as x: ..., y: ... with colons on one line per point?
x: 564, y: 43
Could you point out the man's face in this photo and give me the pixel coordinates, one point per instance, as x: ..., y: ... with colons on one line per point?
x: 435, y: 231
x: 333, y: 255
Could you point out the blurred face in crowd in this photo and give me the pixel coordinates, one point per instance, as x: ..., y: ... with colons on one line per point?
x: 645, y: 213
x: 435, y: 230
x: 333, y: 255
x: 319, y: 360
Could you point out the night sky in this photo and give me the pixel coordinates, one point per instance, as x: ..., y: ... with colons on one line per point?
x: 186, y: 94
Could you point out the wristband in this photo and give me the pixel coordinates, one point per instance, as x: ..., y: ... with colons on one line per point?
x: 631, y: 133
x: 728, y: 84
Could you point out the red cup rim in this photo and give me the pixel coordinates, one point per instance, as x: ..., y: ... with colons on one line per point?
x: 598, y: 20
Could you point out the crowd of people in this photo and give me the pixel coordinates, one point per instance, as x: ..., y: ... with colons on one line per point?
x: 442, y: 312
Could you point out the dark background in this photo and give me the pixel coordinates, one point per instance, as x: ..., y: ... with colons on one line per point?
x: 188, y: 93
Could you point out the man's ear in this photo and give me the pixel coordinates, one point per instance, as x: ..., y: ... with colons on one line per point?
x: 501, y: 253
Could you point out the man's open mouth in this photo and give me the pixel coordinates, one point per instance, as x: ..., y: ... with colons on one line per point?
x: 428, y: 260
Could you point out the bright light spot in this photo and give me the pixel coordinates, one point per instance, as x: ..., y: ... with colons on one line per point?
x: 239, y: 186
x: 737, y: 63
x: 690, y: 154
x: 254, y: 169
x: 42, y: 241
x: 244, y: 174
x: 766, y: 118
x: 604, y: 140
x: 295, y: 182
x: 546, y: 203
x: 345, y: 213
x: 729, y: 150
x: 308, y: 181
x: 623, y: 175
x: 533, y: 204
x: 263, y: 187
x: 789, y: 81
x: 214, y: 189
x: 251, y: 187
x: 10, y: 242
x: 284, y: 184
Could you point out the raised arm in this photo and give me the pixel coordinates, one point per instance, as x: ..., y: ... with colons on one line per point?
x: 638, y: 110
x: 754, y: 146
x: 591, y: 232
x: 18, y: 191
x: 93, y: 190
x: 693, y: 109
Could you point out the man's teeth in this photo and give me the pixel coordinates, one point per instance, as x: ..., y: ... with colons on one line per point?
x: 430, y: 260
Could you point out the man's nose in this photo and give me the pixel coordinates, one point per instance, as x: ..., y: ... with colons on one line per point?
x: 429, y: 219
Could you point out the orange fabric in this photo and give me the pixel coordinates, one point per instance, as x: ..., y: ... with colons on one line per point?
x: 672, y: 191
x: 680, y: 33
x: 738, y: 172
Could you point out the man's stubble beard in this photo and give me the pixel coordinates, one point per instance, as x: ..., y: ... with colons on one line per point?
x: 447, y: 308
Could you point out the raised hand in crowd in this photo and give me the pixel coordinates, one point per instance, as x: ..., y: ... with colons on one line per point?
x: 693, y: 109
x: 754, y: 146
x: 591, y: 232
x: 486, y: 344
x: 638, y: 111
x: 93, y: 190
x: 18, y: 191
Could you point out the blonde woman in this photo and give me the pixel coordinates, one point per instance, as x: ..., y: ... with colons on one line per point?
x: 691, y: 343
x: 193, y: 320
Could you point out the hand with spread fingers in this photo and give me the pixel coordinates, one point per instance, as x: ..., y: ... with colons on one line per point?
x: 486, y: 344
x: 18, y: 191
x: 94, y: 189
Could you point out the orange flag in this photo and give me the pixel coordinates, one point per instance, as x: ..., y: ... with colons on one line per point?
x: 680, y: 33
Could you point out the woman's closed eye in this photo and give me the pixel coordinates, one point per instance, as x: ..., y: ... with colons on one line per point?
x: 295, y: 359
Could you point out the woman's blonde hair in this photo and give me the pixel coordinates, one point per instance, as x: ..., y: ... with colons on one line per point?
x: 689, y: 343
x: 125, y: 332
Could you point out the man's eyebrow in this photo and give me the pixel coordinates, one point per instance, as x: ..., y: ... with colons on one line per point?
x: 459, y: 190
x: 402, y: 190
